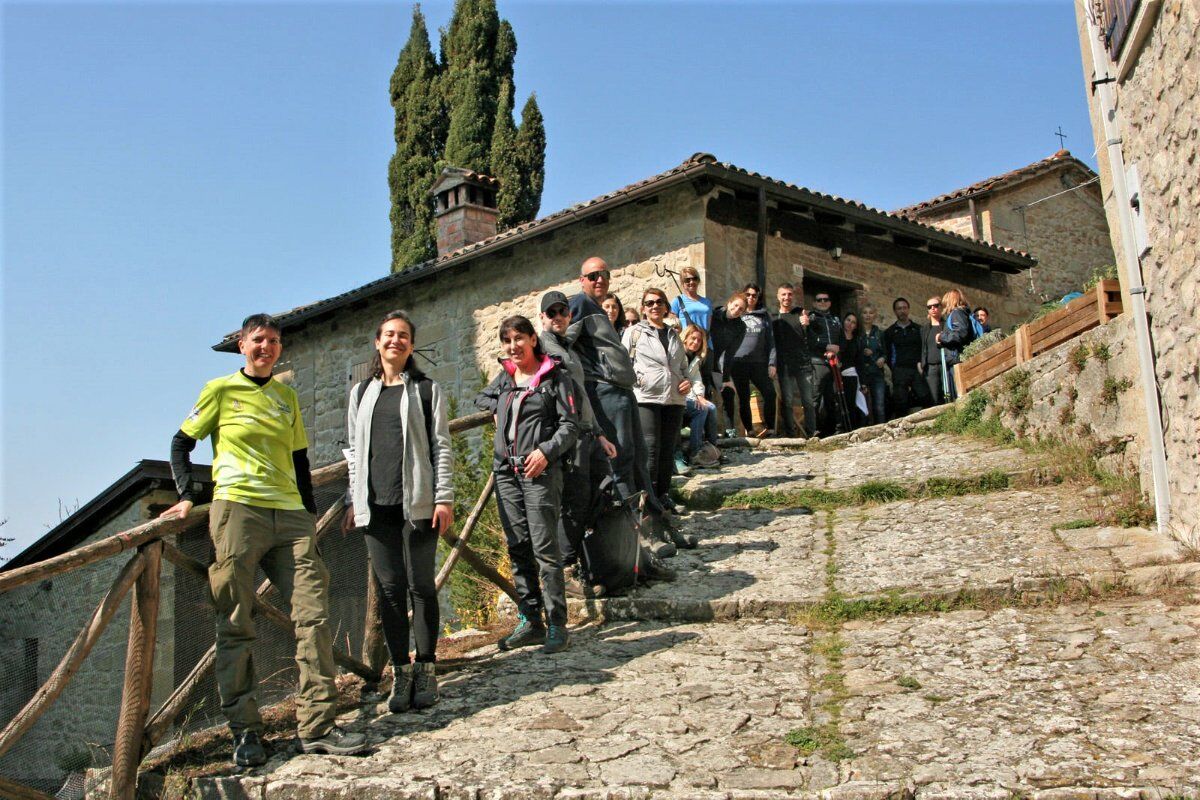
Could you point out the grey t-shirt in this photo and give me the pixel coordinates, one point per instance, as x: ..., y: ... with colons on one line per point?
x: 386, y: 463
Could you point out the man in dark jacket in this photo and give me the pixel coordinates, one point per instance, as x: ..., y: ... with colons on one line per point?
x: 794, y: 367
x: 824, y: 333
x: 608, y: 380
x: 902, y: 348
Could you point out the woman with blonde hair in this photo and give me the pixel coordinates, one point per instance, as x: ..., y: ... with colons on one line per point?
x: 957, y: 333
x: 700, y: 412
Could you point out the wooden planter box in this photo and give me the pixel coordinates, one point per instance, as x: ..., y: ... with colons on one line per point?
x: 1081, y: 314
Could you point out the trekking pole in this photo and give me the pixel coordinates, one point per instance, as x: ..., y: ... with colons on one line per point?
x: 839, y: 392
x: 662, y: 271
x: 945, y: 377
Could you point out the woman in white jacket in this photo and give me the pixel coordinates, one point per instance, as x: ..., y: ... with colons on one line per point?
x: 402, y: 492
x: 662, y: 387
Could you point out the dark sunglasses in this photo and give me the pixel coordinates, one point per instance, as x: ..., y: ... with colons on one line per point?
x: 934, y: 305
x: 653, y: 302
x: 597, y: 275
x: 822, y: 299
x: 691, y: 280
x: 557, y: 311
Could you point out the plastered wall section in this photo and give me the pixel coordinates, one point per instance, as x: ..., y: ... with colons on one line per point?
x: 1159, y: 111
x: 52, y: 613
x: 730, y: 257
x: 458, y: 312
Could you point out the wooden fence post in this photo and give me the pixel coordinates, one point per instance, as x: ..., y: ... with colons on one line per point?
x: 129, y: 745
x: 1022, y: 344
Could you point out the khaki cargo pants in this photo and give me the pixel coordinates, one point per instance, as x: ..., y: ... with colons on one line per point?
x: 283, y: 543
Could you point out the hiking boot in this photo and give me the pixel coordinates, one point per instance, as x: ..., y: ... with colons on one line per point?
x: 577, y: 584
x: 336, y: 742
x: 684, y: 541
x: 556, y: 639
x: 655, y: 541
x: 528, y: 632
x: 400, y: 700
x: 730, y: 433
x: 681, y: 465
x: 653, y: 568
x: 425, y: 687
x: 248, y: 749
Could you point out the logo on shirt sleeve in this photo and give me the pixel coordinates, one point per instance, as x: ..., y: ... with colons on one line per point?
x: 194, y: 415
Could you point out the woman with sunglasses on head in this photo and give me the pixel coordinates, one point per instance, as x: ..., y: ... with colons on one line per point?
x: 537, y: 425
x: 662, y: 386
x: 690, y: 308
x: 754, y: 362
x: 402, y: 494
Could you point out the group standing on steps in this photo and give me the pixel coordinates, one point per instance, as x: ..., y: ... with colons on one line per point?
x: 597, y: 398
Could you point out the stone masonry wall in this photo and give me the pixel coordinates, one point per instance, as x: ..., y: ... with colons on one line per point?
x: 458, y: 312
x: 53, y: 612
x: 1068, y: 234
x: 1159, y: 111
x: 1084, y: 389
x: 730, y: 260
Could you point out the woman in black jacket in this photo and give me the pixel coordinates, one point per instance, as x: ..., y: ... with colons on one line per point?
x: 727, y: 331
x: 537, y: 425
x: 850, y: 359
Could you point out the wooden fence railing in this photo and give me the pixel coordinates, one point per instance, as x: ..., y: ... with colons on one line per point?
x: 137, y: 730
x: 1094, y: 308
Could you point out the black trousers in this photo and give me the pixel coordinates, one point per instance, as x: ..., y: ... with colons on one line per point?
x: 660, y: 430
x: 743, y: 374
x: 908, y: 390
x: 825, y: 392
x: 579, y: 485
x: 402, y: 563
x: 850, y: 392
x: 529, y: 511
x: 616, y: 414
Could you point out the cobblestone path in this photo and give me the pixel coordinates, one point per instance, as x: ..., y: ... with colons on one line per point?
x: 953, y: 647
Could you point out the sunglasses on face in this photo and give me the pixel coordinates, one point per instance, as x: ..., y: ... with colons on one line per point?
x: 934, y: 305
x: 822, y: 299
x: 557, y: 311
x: 654, y: 302
x: 691, y: 280
x: 597, y: 275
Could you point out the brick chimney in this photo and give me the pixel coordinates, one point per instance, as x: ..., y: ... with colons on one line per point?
x: 464, y: 207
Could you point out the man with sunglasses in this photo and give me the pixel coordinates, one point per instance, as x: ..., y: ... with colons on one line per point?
x: 824, y: 333
x: 609, y: 379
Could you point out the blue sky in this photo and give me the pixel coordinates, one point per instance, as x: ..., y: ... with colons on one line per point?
x: 169, y: 168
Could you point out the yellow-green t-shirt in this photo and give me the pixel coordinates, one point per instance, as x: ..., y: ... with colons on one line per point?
x: 255, y: 429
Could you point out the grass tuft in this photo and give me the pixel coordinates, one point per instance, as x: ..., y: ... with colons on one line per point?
x: 908, y: 682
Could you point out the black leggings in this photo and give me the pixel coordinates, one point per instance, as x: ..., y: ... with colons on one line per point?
x: 743, y: 374
x: 660, y: 431
x: 402, y: 561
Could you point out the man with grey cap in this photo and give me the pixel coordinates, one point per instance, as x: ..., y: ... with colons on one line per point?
x: 589, y: 464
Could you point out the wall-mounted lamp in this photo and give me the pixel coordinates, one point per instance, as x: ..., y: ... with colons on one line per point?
x: 835, y: 252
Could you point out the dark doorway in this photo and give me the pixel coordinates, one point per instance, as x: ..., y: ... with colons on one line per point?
x: 844, y: 298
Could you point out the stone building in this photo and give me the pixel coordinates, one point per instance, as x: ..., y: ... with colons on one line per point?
x: 39, y: 621
x: 1149, y: 58
x: 1051, y: 209
x: 732, y: 225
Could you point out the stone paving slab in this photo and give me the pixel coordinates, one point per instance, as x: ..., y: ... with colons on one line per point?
x: 680, y: 709
x: 1001, y: 541
x: 1021, y: 702
x: 750, y: 564
x: 911, y: 460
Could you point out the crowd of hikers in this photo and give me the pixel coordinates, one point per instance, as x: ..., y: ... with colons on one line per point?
x: 589, y: 404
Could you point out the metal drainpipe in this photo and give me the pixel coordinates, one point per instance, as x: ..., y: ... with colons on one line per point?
x: 1102, y: 86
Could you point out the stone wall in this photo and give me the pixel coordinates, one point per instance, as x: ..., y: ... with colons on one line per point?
x: 1068, y: 234
x: 47, y: 616
x: 1084, y: 390
x: 458, y: 312
x: 1159, y: 114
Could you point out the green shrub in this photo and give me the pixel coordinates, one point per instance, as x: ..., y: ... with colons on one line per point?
x: 1106, y: 273
x: 1100, y: 351
x: 1077, y: 358
x: 982, y: 343
x: 1113, y: 389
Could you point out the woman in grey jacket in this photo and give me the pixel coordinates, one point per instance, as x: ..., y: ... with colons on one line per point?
x: 402, y: 492
x: 661, y: 367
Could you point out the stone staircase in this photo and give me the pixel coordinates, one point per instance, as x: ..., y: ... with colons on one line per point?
x: 955, y: 643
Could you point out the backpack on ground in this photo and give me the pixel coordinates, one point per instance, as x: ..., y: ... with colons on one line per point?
x: 611, y: 546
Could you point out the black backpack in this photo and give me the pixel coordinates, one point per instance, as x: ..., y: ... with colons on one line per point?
x: 425, y: 390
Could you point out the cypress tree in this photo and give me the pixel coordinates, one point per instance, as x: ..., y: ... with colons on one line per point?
x: 505, y: 165
x: 470, y: 84
x: 419, y: 131
x: 531, y: 160
x: 472, y: 115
